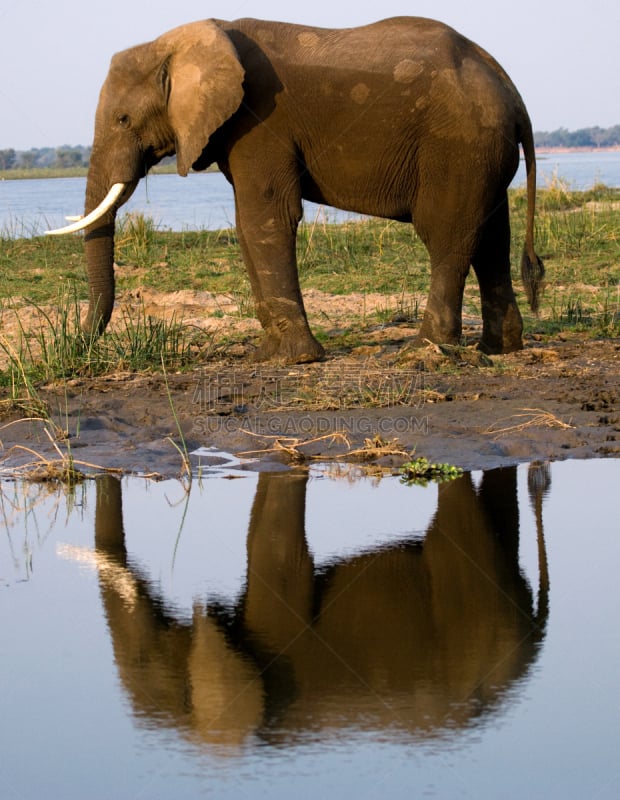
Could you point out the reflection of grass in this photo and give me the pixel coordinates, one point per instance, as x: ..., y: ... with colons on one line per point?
x: 28, y: 513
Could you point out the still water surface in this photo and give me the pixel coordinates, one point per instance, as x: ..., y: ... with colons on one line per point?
x: 285, y: 635
x: 206, y: 200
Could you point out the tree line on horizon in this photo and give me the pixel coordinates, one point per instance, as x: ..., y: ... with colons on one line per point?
x: 63, y: 157
x: 69, y: 156
x: 584, y: 137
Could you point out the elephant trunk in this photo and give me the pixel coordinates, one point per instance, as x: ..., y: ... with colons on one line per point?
x: 103, y: 198
x: 98, y: 221
x: 99, y: 248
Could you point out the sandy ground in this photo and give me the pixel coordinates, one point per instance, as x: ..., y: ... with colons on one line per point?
x: 386, y: 398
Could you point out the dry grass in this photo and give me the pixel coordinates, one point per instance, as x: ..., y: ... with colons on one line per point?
x: 529, y: 418
x: 291, y: 448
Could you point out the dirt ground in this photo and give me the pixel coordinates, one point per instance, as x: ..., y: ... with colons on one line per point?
x: 376, y: 401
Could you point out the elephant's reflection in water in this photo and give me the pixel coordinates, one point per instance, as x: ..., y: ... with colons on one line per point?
x: 412, y: 640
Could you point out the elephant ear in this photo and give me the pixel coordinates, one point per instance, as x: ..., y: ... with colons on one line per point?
x: 204, y: 81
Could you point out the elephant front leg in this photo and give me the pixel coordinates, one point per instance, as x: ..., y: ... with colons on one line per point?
x: 268, y: 249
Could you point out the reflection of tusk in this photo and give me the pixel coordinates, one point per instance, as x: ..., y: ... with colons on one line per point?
x: 83, y: 222
x: 112, y: 575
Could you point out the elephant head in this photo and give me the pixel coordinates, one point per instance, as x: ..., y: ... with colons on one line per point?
x: 168, y: 96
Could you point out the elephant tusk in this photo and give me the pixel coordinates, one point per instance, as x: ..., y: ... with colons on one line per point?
x: 83, y: 222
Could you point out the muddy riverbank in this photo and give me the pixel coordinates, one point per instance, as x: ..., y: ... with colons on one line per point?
x: 377, y: 402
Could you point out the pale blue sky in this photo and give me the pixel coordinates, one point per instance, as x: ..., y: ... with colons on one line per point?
x: 55, y: 55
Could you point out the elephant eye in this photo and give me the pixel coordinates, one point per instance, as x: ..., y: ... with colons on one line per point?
x: 124, y: 121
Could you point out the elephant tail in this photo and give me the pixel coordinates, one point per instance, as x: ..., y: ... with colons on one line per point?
x: 532, y: 267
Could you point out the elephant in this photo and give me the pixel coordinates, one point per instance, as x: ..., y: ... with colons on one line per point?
x: 403, y: 119
x: 418, y: 638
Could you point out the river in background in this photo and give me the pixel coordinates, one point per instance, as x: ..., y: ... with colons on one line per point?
x: 205, y: 200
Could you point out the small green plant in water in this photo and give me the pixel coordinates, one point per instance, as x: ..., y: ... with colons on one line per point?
x: 420, y: 471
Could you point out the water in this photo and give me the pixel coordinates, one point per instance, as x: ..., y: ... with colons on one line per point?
x: 206, y: 200
x: 313, y: 636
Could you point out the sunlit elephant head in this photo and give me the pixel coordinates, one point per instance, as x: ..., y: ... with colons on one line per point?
x: 165, y: 97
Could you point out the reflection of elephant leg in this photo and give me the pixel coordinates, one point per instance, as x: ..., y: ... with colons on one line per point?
x: 109, y: 534
x: 474, y: 548
x: 278, y: 603
x: 502, y: 325
x: 150, y: 647
x: 189, y: 675
x: 495, y: 503
x: 498, y: 497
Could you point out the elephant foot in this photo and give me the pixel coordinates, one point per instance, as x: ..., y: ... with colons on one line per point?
x: 502, y: 332
x: 301, y: 352
x: 289, y: 349
x: 267, y: 350
x: 430, y: 331
x: 422, y: 340
x: 495, y: 348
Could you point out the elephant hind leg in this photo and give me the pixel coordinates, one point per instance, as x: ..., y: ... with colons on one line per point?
x: 442, y: 321
x: 502, y: 325
x: 450, y: 249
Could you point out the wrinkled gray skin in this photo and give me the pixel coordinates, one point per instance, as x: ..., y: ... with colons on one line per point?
x: 404, y: 119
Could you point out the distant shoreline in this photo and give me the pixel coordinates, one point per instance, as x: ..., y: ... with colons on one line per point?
x: 611, y: 149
